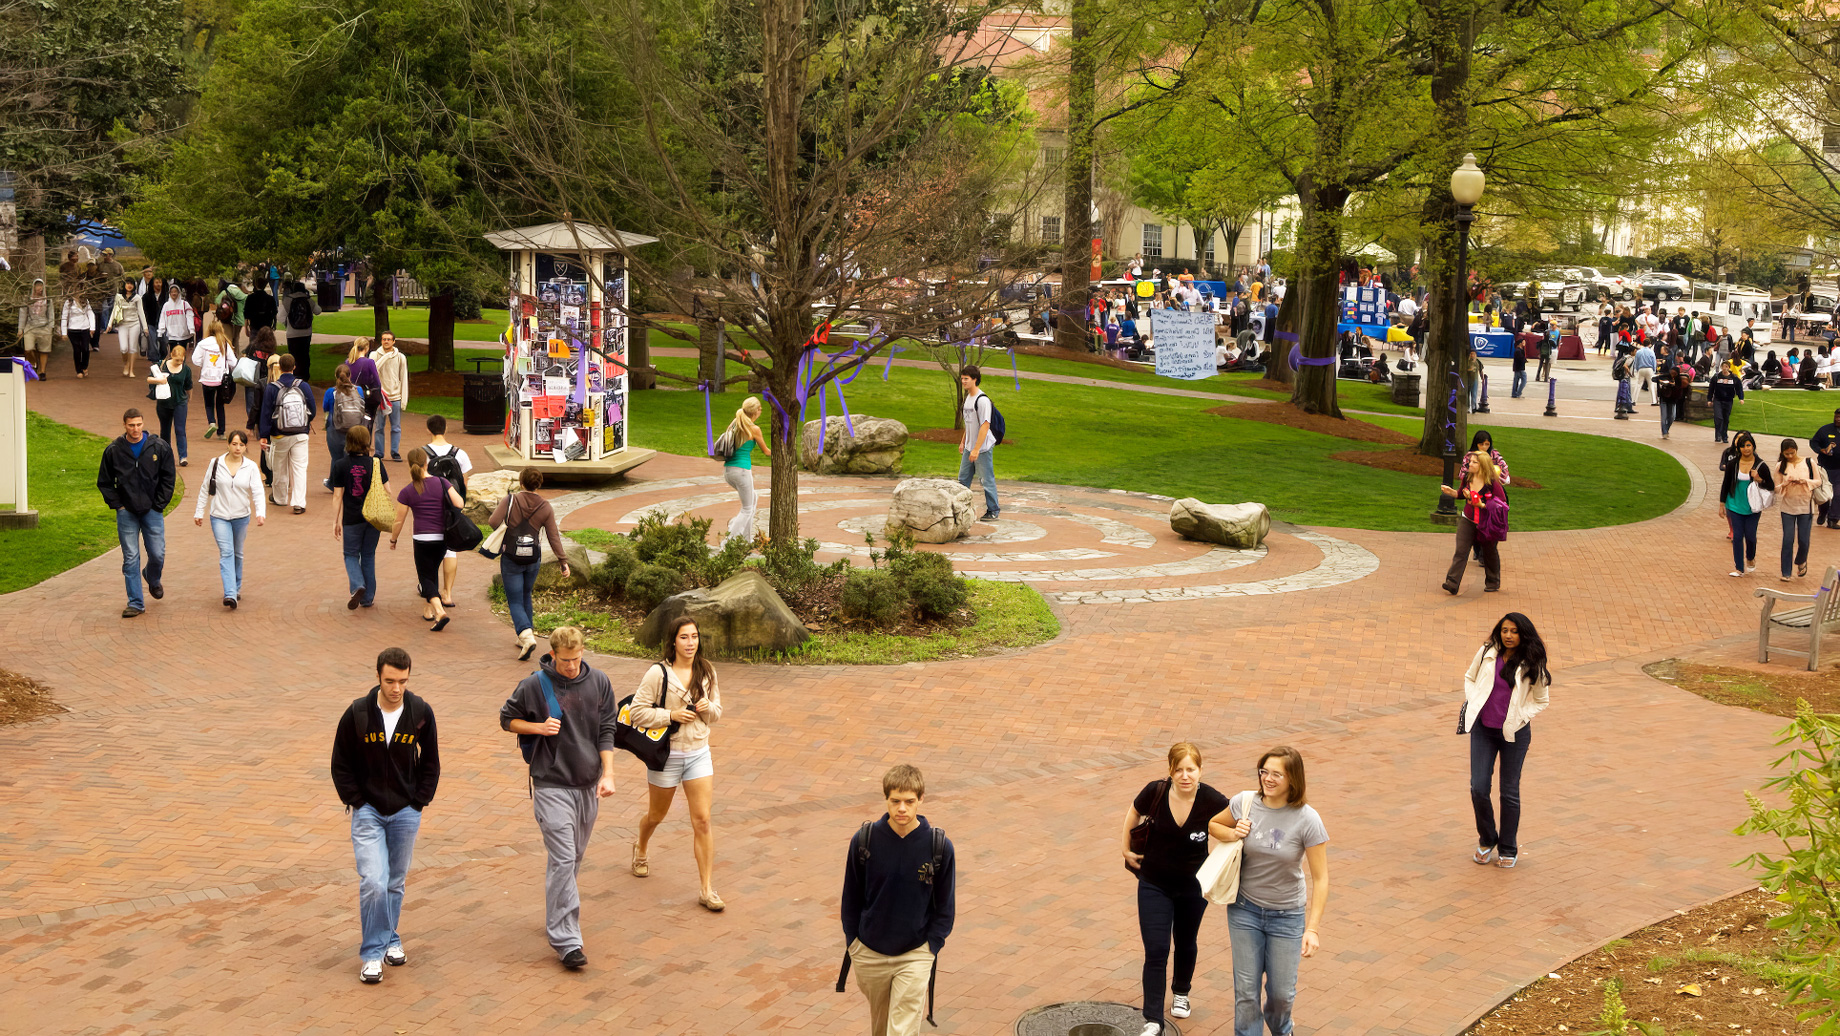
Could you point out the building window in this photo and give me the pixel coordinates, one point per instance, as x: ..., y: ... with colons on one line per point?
x: 1153, y: 240
x: 1051, y: 157
x: 1830, y: 139
x: 1207, y: 254
x: 1050, y: 229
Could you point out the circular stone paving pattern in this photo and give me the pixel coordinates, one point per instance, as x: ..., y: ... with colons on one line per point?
x: 1076, y: 546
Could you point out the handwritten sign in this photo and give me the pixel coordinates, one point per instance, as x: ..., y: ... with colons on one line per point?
x: 1184, y: 344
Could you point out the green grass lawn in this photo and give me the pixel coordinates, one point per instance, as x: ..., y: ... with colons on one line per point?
x: 73, y: 523
x: 1783, y: 413
x: 409, y: 322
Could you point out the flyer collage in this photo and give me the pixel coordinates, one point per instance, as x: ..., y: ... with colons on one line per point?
x: 565, y: 365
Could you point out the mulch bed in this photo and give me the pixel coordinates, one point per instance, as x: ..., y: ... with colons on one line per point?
x: 23, y: 699
x: 1659, y: 987
x: 431, y: 383
x: 1290, y: 416
x: 1055, y: 352
x: 1760, y: 690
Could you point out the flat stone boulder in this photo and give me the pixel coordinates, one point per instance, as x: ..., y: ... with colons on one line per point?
x: 741, y: 613
x: 485, y: 489
x: 549, y: 571
x: 1233, y: 525
x: 934, y: 510
x: 876, y: 448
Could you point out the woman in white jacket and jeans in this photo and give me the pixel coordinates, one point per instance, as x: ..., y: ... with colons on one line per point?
x: 1506, y: 687
x: 232, y: 490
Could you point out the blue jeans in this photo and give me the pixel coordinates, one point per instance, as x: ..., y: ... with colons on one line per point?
x: 383, y: 847
x: 229, y: 533
x: 986, y: 472
x: 1268, y: 944
x: 131, y: 529
x: 1797, y: 528
x: 361, y: 560
x: 1721, y: 419
x: 394, y: 420
x: 519, y: 577
x: 1160, y: 916
x: 1475, y: 394
x: 1485, y: 744
x: 1743, y: 539
x: 1670, y: 412
x: 1520, y: 382
x: 172, y: 425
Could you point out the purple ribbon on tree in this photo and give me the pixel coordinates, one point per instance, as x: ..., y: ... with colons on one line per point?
x: 811, y: 370
x: 709, y: 427
x: 24, y: 365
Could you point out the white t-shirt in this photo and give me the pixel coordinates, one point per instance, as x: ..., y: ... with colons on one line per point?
x: 1408, y: 307
x: 977, y: 412
x: 389, y: 722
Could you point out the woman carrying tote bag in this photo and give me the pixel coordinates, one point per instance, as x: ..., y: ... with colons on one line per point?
x: 1505, y: 687
x: 1173, y: 817
x: 426, y: 497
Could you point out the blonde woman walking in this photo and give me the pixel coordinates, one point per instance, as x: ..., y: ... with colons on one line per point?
x: 681, y: 691
x: 129, y: 323
x: 214, y: 357
x: 738, y: 469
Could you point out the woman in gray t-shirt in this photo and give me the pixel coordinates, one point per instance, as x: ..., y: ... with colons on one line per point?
x: 1274, y: 922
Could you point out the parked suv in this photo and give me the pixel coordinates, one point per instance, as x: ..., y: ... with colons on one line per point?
x: 1623, y: 289
x: 1664, y: 286
x: 1558, y: 288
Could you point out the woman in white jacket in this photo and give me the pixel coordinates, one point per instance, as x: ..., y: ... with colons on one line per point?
x: 174, y: 324
x: 1506, y: 687
x: 129, y: 323
x: 214, y: 357
x: 232, y: 489
x: 79, y: 326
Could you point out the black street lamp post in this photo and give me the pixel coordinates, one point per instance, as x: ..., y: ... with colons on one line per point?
x: 1466, y: 184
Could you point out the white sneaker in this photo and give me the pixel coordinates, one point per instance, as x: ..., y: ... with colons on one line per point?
x: 372, y: 972
x: 1179, y: 1008
x: 1736, y: 575
x: 1152, y: 1029
x: 395, y: 957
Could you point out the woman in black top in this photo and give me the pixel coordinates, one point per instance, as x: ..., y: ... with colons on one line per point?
x: 1169, y: 899
x: 351, y: 481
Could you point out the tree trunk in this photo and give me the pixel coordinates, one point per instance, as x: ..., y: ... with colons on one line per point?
x: 1278, y: 362
x: 1318, y: 249
x: 783, y: 497
x: 441, y: 331
x: 1450, y: 30
x: 1070, y: 331
x: 1232, y: 231
x: 380, y: 307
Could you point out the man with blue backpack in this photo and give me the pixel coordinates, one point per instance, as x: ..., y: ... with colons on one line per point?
x: 983, y: 431
x: 565, y: 717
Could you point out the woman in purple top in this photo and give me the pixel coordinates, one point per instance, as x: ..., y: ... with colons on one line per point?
x: 426, y: 496
x: 364, y: 375
x: 1506, y: 686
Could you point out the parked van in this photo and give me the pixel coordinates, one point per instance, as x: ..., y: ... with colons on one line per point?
x: 1730, y: 309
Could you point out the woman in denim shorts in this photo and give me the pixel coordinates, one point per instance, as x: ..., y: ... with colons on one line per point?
x: 681, y: 689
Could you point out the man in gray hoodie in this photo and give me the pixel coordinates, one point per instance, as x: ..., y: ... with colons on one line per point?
x: 570, y: 751
x: 38, y: 328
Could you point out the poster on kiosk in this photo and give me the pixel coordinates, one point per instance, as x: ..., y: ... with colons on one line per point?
x: 565, y: 359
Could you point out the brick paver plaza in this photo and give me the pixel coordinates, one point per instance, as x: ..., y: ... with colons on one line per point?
x: 174, y: 859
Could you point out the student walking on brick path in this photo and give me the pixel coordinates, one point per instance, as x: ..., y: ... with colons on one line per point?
x: 126, y: 320
x: 287, y: 425
x: 899, y: 903
x: 386, y: 764
x: 231, y: 490
x: 78, y: 326
x: 137, y: 479
x: 298, y: 308
x: 1506, y: 686
x: 1797, y: 479
x: 262, y: 350
x: 525, y: 516
x: 977, y: 453
x: 38, y: 328
x: 170, y: 388
x: 681, y: 692
x: 738, y: 469
x: 1481, y: 493
x: 173, y: 326
x: 1723, y: 389
x: 451, y: 463
x: 214, y: 355
x: 570, y: 750
x: 393, y: 378
x: 351, y: 483
x: 1743, y: 508
x: 1276, y: 919
x: 344, y: 407
x: 426, y: 498
x: 1825, y: 445
x: 1176, y: 812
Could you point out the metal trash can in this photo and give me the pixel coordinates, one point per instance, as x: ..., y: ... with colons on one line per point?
x: 482, y: 402
x: 1405, y: 388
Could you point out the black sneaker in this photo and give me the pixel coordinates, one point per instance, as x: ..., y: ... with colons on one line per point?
x: 131, y: 612
x: 989, y: 516
x: 156, y: 590
x: 575, y: 960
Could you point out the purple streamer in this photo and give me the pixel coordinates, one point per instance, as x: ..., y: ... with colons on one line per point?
x: 24, y: 365
x: 1299, y: 360
x: 709, y: 427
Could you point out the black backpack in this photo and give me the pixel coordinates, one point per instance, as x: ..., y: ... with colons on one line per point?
x: 997, y: 427
x: 447, y: 465
x: 300, y: 313
x: 859, y: 857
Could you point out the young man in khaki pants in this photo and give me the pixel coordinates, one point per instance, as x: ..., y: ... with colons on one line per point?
x: 898, y: 907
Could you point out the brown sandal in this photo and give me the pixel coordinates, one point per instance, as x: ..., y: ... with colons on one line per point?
x: 640, y: 868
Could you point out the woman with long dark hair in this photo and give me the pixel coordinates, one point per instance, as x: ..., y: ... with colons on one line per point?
x: 127, y: 320
x: 681, y: 690
x: 1743, y: 470
x: 1797, y: 479
x: 525, y: 516
x: 426, y: 496
x: 1170, y: 902
x: 232, y: 491
x: 1505, y: 687
x: 1482, y: 485
x: 261, y: 347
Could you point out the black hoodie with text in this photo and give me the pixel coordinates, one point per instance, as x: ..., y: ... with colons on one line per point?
x: 382, y: 770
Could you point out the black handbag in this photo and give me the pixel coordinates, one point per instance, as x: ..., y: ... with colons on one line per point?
x: 1140, y: 835
x: 652, y: 747
x: 458, y: 534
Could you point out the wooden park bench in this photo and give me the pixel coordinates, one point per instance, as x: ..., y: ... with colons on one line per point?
x: 1814, y: 618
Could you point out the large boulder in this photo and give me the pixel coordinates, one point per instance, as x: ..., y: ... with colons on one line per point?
x: 934, y: 510
x: 741, y: 613
x: 875, y: 449
x: 1234, y: 525
x: 485, y: 489
x: 549, y: 572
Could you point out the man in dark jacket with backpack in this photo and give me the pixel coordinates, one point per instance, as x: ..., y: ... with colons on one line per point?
x: 298, y: 308
x: 565, y: 717
x: 386, y: 763
x: 286, y: 424
x: 137, y: 479
x: 899, y: 903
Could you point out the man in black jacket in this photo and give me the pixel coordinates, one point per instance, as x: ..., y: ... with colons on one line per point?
x: 571, y: 770
x: 1826, y: 446
x: 386, y: 762
x: 137, y: 479
x: 899, y: 904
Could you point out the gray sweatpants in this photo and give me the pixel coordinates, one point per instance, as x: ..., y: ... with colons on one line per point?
x: 566, y: 818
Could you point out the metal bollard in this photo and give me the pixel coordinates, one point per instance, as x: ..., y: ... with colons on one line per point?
x: 1552, y: 396
x: 1483, y: 408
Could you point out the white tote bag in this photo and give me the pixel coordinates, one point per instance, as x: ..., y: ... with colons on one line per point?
x: 1219, y: 876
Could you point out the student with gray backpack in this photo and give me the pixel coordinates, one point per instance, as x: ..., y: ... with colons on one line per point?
x: 899, y: 902
x: 344, y: 406
x: 565, y: 717
x: 286, y: 424
x: 524, y: 516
